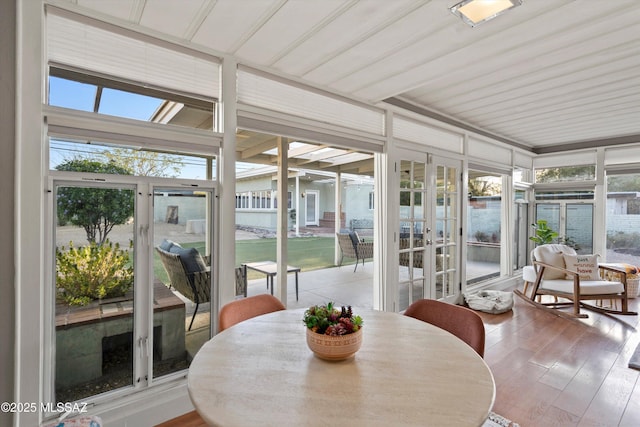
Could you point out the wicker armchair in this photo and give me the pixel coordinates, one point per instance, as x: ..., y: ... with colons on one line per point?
x: 194, y: 285
x: 417, y: 255
x: 352, y: 247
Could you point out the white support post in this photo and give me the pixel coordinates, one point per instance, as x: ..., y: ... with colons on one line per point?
x: 226, y: 170
x: 282, y: 235
x: 297, y: 199
x: 338, y: 209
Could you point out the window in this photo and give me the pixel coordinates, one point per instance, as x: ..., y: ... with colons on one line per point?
x: 565, y: 174
x: 484, y: 225
x: 99, y: 95
x: 123, y: 184
x: 139, y: 162
x: 623, y: 218
x: 371, y: 205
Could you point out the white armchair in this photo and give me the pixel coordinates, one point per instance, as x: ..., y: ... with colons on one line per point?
x: 563, y: 274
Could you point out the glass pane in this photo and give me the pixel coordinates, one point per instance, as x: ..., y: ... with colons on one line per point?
x: 484, y: 219
x: 550, y: 213
x: 579, y: 227
x: 564, y: 174
x: 94, y: 291
x: 418, y: 199
x: 311, y: 208
x: 452, y: 181
x: 114, y: 98
x: 182, y: 277
x: 419, y: 171
x: 520, y: 240
x: 440, y: 201
x: 623, y: 219
x: 128, y: 161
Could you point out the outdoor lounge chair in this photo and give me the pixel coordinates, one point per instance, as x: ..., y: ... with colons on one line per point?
x: 188, y: 273
x: 563, y: 274
x: 352, y: 246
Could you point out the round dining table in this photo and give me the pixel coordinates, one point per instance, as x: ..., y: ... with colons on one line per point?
x: 260, y: 372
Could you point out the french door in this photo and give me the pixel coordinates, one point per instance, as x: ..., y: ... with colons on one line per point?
x: 429, y: 227
x: 312, y: 207
x: 122, y: 322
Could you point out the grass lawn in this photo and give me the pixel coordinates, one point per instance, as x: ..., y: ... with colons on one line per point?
x: 308, y: 253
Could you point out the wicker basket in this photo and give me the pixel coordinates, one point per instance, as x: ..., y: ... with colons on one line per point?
x: 334, y: 348
x: 633, y: 286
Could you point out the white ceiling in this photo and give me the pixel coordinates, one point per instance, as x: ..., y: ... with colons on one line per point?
x: 548, y: 75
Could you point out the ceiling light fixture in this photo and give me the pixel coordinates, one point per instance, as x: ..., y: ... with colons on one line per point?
x: 475, y: 12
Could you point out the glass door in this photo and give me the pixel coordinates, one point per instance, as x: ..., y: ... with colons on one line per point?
x: 94, y: 238
x: 312, y: 207
x: 446, y: 217
x: 414, y: 235
x: 182, y: 271
x: 429, y: 227
x: 132, y: 284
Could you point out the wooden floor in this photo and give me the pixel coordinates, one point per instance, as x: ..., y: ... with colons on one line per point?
x: 550, y: 371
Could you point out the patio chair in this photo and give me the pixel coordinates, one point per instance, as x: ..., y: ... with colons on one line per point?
x: 563, y: 274
x: 352, y: 246
x: 462, y: 322
x: 247, y: 308
x: 188, y: 273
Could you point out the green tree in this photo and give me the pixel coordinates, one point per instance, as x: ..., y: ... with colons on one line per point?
x: 483, y: 187
x: 97, y: 210
x: 145, y: 163
x: 569, y: 173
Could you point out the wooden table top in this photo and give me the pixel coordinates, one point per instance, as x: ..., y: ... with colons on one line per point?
x: 260, y: 372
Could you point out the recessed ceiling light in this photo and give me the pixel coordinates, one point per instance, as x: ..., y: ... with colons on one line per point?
x: 475, y: 12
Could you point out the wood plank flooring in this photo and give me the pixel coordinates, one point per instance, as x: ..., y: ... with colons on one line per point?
x: 551, y: 371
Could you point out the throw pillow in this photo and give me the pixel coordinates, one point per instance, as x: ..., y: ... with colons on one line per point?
x: 549, y: 254
x: 190, y: 257
x: 354, y: 238
x: 167, y: 244
x: 585, y: 265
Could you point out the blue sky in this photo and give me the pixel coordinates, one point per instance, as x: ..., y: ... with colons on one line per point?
x: 82, y: 96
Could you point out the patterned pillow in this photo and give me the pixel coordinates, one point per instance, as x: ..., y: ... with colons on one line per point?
x: 78, y: 422
x: 585, y: 265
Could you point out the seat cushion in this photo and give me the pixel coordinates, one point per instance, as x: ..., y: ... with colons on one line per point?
x: 529, y: 274
x: 587, y: 287
x: 585, y: 265
x: 190, y: 257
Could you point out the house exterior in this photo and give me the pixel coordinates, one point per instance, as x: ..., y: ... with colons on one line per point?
x: 310, y: 199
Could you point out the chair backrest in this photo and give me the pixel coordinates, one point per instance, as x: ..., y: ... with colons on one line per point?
x: 346, y: 244
x: 462, y: 322
x: 552, y: 254
x: 246, y: 308
x: 194, y: 285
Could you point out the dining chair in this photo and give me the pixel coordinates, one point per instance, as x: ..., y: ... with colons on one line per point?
x: 462, y: 322
x: 246, y: 308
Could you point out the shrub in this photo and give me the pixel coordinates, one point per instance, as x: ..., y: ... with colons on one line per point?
x: 481, y: 236
x: 92, y: 272
x: 623, y: 240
